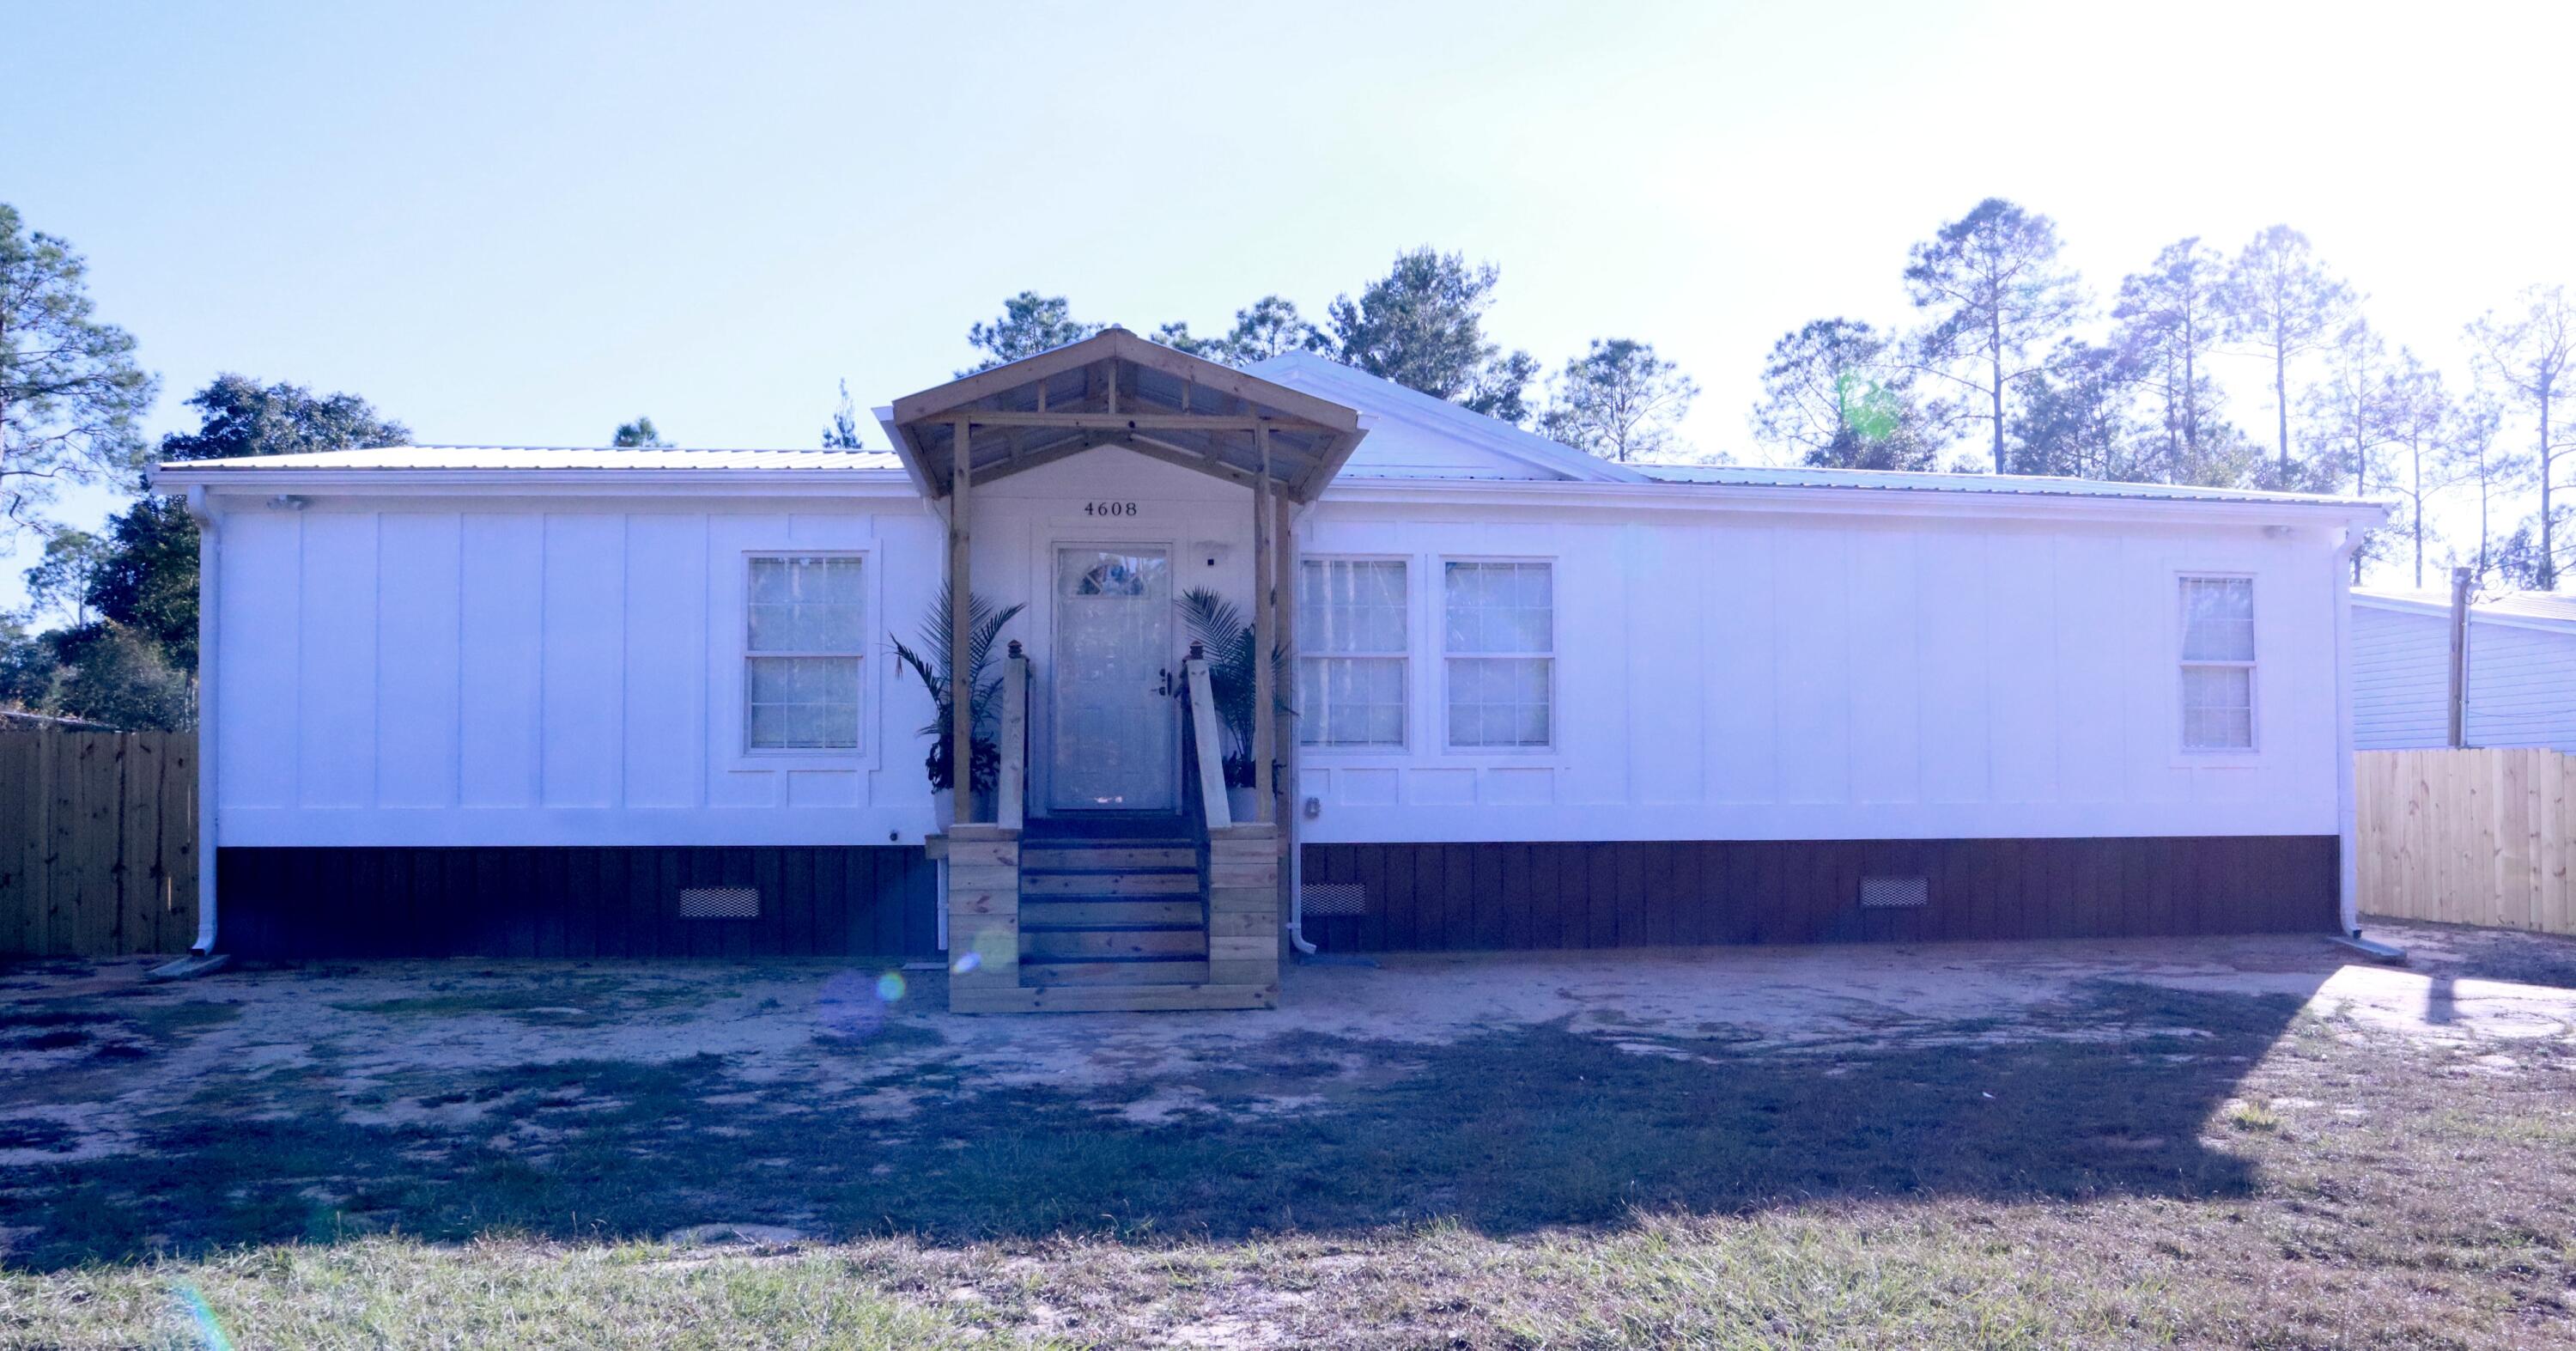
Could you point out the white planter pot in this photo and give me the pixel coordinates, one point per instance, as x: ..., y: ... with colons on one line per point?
x: 1243, y: 804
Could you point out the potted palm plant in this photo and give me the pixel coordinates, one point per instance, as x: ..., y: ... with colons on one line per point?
x: 984, y: 622
x: 1217, y: 626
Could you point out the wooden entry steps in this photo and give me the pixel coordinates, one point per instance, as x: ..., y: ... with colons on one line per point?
x: 1115, y: 919
x: 1113, y: 910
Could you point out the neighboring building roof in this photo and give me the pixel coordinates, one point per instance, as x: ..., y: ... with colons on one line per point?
x: 2521, y: 668
x: 2537, y: 609
x: 549, y: 457
x: 1415, y: 435
x: 2014, y: 485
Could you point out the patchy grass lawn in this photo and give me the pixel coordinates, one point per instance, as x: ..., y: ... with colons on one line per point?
x: 2029, y: 1146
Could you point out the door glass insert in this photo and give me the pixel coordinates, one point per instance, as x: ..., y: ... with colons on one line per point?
x: 1116, y: 731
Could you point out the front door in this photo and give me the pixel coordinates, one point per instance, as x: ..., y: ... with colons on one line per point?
x: 1115, y: 743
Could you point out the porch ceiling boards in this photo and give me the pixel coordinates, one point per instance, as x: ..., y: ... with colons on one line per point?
x: 1117, y: 389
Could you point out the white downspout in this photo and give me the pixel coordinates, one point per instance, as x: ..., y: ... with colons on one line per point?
x: 209, y: 571
x: 1295, y: 803
x: 2347, y: 812
x: 1297, y: 901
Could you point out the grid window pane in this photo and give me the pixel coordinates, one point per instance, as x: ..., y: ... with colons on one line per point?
x: 2217, y: 663
x: 805, y: 628
x: 1500, y: 607
x: 1499, y: 701
x: 2218, y: 619
x: 1353, y: 633
x: 1498, y: 621
x: 806, y: 605
x: 802, y: 703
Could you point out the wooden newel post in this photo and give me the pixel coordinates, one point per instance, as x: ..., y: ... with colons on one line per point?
x: 1010, y: 785
x: 961, y: 625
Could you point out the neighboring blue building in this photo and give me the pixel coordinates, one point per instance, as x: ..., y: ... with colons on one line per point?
x: 2522, y: 670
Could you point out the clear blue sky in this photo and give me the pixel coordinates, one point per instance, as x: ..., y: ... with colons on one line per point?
x: 520, y: 224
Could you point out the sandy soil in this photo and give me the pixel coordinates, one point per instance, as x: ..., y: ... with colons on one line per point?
x: 845, y: 1031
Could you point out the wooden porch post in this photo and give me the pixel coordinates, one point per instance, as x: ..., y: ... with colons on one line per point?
x: 961, y: 624
x: 1289, y: 573
x: 1264, y: 630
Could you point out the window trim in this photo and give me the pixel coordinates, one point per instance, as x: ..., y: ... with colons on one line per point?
x: 1404, y: 745
x: 2252, y: 666
x: 744, y: 655
x: 1439, y: 601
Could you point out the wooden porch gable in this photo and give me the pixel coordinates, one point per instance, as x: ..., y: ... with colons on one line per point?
x: 1117, y: 389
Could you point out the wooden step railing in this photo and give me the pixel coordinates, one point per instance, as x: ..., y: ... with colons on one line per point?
x: 1011, y: 791
x: 1207, y: 751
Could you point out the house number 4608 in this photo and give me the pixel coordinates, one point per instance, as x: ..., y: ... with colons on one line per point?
x: 1108, y: 508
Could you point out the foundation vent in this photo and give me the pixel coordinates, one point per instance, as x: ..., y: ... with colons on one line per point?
x: 719, y: 903
x: 1895, y: 893
x: 1333, y: 900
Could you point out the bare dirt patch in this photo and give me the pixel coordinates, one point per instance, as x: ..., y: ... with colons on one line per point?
x: 2201, y: 1142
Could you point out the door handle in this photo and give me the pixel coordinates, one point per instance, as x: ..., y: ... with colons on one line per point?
x: 1165, y: 689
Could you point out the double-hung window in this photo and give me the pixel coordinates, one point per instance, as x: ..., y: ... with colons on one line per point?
x: 804, y: 636
x: 2218, y: 663
x: 1499, y: 638
x: 1351, y: 646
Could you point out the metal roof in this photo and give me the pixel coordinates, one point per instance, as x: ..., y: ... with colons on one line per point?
x: 2006, y: 485
x: 873, y: 463
x: 1410, y: 431
x: 2554, y: 608
x: 549, y: 457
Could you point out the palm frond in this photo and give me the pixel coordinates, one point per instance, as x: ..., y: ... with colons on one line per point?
x: 935, y: 660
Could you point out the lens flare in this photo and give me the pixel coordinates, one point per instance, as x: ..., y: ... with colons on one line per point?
x: 850, y: 1005
x: 890, y: 987
x: 210, y: 1334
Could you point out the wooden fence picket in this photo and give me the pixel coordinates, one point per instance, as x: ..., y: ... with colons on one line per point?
x: 98, y: 842
x: 2469, y: 836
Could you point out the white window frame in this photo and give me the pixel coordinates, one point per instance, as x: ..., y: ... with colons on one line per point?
x: 1403, y: 658
x: 1439, y: 602
x: 2183, y: 664
x: 745, y: 655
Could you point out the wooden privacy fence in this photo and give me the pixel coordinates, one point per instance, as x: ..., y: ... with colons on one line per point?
x: 98, y: 843
x: 2469, y: 836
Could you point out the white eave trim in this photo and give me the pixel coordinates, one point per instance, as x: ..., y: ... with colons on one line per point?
x: 538, y: 482
x: 1853, y: 500
x: 1557, y: 494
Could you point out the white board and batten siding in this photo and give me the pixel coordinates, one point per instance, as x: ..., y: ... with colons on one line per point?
x: 2522, y: 676
x: 565, y: 669
x: 1740, y: 674
x: 558, y: 672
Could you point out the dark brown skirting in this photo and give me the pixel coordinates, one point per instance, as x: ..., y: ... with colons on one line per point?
x: 1624, y: 894
x: 574, y: 902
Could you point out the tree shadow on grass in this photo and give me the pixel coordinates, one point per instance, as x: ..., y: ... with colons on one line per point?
x: 1506, y: 1132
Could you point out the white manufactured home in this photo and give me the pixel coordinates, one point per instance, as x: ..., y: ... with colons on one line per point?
x: 645, y: 702
x: 2518, y: 656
